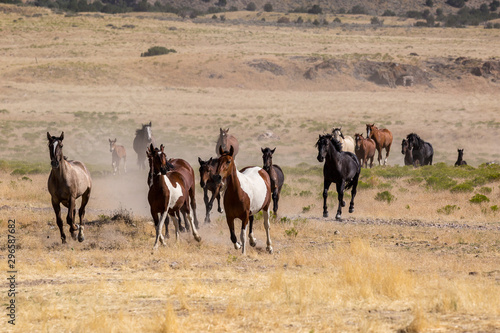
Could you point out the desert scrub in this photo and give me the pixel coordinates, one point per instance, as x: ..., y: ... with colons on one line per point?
x: 479, y: 198
x: 464, y: 187
x: 157, y: 50
x: 385, y: 196
x: 448, y: 209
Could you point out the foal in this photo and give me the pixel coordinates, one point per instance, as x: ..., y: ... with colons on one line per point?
x: 118, y: 153
x: 275, y: 174
x: 460, y: 160
x: 207, y: 170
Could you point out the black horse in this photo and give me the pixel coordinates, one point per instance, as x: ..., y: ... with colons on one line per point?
x: 342, y: 168
x: 275, y: 174
x: 405, y: 150
x: 143, y: 138
x: 460, y: 160
x: 422, y: 151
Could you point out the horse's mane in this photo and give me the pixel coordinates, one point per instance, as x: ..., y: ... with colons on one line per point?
x: 336, y: 144
x: 413, y: 137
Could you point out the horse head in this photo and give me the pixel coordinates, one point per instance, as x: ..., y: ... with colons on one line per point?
x: 369, y: 129
x: 267, y: 157
x: 337, y: 133
x: 460, y: 153
x: 404, y: 146
x: 158, y: 160
x: 322, y: 145
x: 223, y: 138
x: 205, y: 171
x: 414, y: 141
x: 112, y: 144
x: 225, y: 166
x: 55, y: 149
x: 358, y: 138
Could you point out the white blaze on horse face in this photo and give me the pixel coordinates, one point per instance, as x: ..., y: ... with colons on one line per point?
x: 148, y: 129
x: 54, y: 146
x: 254, y: 186
x: 175, y: 192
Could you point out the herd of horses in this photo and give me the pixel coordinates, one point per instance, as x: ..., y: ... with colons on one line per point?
x: 244, y: 192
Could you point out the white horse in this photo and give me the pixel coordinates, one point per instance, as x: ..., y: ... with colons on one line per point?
x: 346, y: 141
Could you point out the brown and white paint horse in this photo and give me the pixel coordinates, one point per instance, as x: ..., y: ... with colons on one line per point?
x: 226, y: 141
x: 68, y: 180
x: 167, y: 195
x: 247, y: 192
x: 118, y: 153
x: 207, y: 171
x: 382, y: 138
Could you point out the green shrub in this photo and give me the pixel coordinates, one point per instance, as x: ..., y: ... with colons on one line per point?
x: 448, y: 209
x: 157, y: 50
x: 494, y: 208
x: 479, y: 198
x: 292, y: 232
x: 440, y: 183
x: 268, y: 7
x: 385, y: 196
x: 464, y: 187
x: 485, y: 190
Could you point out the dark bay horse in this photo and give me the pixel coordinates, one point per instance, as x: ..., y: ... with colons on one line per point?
x: 382, y: 138
x: 225, y: 142
x: 275, y: 174
x: 460, y: 160
x: 365, y: 150
x: 118, y: 153
x: 341, y: 168
x: 407, y: 152
x: 207, y: 171
x: 422, y: 151
x: 167, y: 195
x: 68, y: 181
x: 247, y: 192
x: 143, y: 138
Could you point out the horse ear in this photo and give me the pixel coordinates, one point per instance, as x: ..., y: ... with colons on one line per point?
x: 151, y: 148
x: 149, y: 124
x: 227, y: 130
x: 272, y: 151
x: 162, y: 147
x: 62, y: 136
x: 231, y: 151
x: 262, y: 150
x: 49, y: 136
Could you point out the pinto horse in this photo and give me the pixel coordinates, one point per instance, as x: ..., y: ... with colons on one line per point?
x: 460, y: 161
x: 143, y: 138
x: 407, y: 151
x: 68, y: 180
x: 118, y: 153
x: 365, y: 149
x: 422, y: 151
x: 275, y: 174
x: 346, y: 141
x: 341, y: 168
x: 226, y: 141
x: 207, y: 170
x: 167, y: 195
x: 247, y: 192
x: 382, y: 138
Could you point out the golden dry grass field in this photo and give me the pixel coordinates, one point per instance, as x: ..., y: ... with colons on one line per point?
x: 427, y: 261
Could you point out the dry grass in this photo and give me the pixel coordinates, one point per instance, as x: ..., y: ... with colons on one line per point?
x: 387, y: 267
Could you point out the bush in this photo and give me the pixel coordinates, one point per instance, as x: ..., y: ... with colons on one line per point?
x: 388, y: 13
x: 385, y: 196
x: 283, y: 20
x: 479, y: 198
x: 251, y: 6
x: 268, y: 7
x: 456, y: 3
x: 429, y: 3
x: 464, y: 187
x: 157, y: 50
x: 448, y: 209
x: 300, y: 20
x: 316, y: 9
x: 358, y: 9
x: 337, y: 20
x: 376, y: 21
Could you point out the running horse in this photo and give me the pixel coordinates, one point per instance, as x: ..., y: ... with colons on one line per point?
x: 347, y: 142
x: 68, y: 180
x: 118, y: 153
x: 143, y: 138
x: 365, y: 150
x: 275, y: 174
x: 207, y: 170
x: 341, y: 168
x: 382, y: 138
x: 168, y: 195
x: 226, y: 141
x: 247, y: 192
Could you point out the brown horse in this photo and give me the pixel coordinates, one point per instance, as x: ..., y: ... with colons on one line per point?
x: 365, y: 149
x: 167, y: 195
x: 275, y: 174
x: 207, y: 170
x: 247, y: 192
x: 382, y: 138
x: 226, y: 141
x: 68, y: 181
x: 118, y: 153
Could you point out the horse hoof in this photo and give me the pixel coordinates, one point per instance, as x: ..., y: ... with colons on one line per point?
x: 269, y: 249
x: 197, y: 238
x: 325, y: 214
x: 343, y: 204
x: 237, y: 245
x: 81, y: 238
x: 182, y: 229
x: 338, y: 217
x: 220, y: 211
x: 351, y: 209
x: 253, y: 242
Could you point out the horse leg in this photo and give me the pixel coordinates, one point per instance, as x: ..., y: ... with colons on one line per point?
x: 387, y: 150
x: 81, y: 214
x: 181, y: 228
x: 125, y: 164
x: 192, y: 200
x: 340, y: 191
x: 379, y: 157
x: 253, y: 240
x: 187, y: 213
x: 70, y: 218
x: 177, y: 222
x: 243, y: 238
x: 208, y: 206
x: 353, y: 193
x: 57, y: 211
x: 159, y: 227
x: 267, y: 226
x: 219, y: 208
x: 326, y: 186
x: 276, y: 197
x: 230, y: 224
x: 220, y: 194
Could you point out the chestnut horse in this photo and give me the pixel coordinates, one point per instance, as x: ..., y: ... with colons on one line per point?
x: 365, y: 149
x: 167, y: 195
x: 226, y: 141
x: 346, y: 141
x: 247, y: 192
x: 407, y: 151
x: 207, y: 170
x: 68, y: 181
x: 118, y: 153
x: 275, y: 174
x: 382, y: 138
x: 341, y: 168
x: 143, y: 138
x: 460, y: 161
